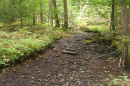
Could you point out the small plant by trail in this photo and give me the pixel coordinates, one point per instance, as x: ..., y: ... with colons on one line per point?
x: 120, y: 80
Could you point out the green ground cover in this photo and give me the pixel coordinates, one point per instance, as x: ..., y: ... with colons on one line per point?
x: 17, y: 45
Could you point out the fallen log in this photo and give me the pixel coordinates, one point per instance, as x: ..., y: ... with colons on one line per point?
x: 69, y: 52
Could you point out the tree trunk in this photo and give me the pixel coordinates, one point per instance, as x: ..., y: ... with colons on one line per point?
x: 62, y: 20
x: 112, y: 16
x: 21, y: 15
x: 4, y: 11
x: 124, y: 22
x: 4, y: 4
x: 51, y: 20
x: 37, y: 17
x: 116, y: 10
x: 41, y: 16
x: 56, y: 14
x: 88, y: 7
x: 65, y: 14
x: 129, y: 22
x: 34, y: 22
x: 41, y: 11
x: 80, y: 6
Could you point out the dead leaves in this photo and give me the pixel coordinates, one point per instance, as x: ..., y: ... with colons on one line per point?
x: 61, y: 62
x: 111, y: 60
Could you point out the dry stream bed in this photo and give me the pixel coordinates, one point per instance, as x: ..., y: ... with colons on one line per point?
x: 71, y: 62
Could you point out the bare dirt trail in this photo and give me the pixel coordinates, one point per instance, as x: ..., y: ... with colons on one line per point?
x: 69, y: 63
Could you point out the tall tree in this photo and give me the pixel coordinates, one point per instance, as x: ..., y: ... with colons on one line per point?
x: 34, y: 22
x: 4, y: 11
x: 41, y: 11
x: 51, y: 19
x: 56, y: 14
x: 21, y: 13
x: 112, y: 27
x: 65, y: 14
x: 125, y: 27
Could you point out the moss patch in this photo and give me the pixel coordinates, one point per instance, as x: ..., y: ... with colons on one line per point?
x: 103, y: 40
x: 87, y: 41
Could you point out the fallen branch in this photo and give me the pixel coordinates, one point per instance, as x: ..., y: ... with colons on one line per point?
x: 105, y: 55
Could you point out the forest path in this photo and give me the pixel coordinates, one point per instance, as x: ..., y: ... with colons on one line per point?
x: 70, y: 63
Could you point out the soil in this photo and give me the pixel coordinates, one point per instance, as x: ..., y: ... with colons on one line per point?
x: 71, y: 62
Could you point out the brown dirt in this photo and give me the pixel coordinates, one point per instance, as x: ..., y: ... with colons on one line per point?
x: 56, y: 68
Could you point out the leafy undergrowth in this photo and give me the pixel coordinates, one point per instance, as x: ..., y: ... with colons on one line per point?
x: 103, y: 28
x: 109, y: 35
x: 105, y: 34
x: 120, y: 80
x: 116, y: 43
x: 17, y: 45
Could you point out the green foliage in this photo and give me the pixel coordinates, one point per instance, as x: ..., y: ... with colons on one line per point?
x: 126, y: 39
x: 57, y: 34
x: 15, y: 10
x: 99, y: 29
x: 121, y: 80
x: 20, y: 44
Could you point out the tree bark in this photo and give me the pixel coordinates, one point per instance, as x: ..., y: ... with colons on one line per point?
x: 65, y: 14
x: 88, y: 7
x: 41, y: 11
x: 112, y: 16
x: 116, y: 10
x: 56, y: 14
x: 4, y: 6
x: 51, y: 20
x: 34, y: 22
x: 124, y: 22
x: 80, y: 6
x: 21, y: 15
x: 37, y: 17
x: 4, y: 11
x: 129, y: 22
x: 41, y: 16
